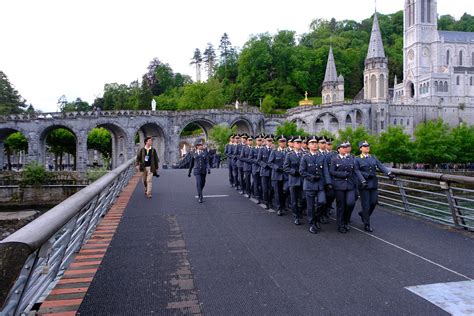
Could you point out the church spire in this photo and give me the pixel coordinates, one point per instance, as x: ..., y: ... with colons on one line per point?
x: 376, y: 45
x: 331, y: 73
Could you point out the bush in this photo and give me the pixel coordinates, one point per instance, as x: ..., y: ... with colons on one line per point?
x: 94, y: 174
x: 34, y: 174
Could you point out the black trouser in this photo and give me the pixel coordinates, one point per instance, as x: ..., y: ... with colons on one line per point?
x: 330, y: 197
x: 248, y: 182
x: 368, y: 201
x: 257, y: 189
x: 265, y: 181
x: 200, y: 183
x: 279, y: 194
x: 231, y: 171
x: 240, y: 170
x: 345, y: 202
x: 295, y: 195
x: 235, y: 173
x: 318, y: 199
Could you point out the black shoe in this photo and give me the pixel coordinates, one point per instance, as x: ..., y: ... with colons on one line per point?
x: 346, y: 227
x: 361, y: 218
x: 297, y: 221
x: 259, y: 202
x: 313, y: 229
x: 200, y: 200
x: 324, y: 220
x: 248, y: 196
x: 267, y: 206
x: 342, y: 230
x: 280, y: 212
x: 367, y: 228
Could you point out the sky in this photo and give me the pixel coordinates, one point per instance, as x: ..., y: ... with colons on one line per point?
x: 51, y: 48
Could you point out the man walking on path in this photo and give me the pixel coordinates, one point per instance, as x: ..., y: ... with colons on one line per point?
x: 147, y: 163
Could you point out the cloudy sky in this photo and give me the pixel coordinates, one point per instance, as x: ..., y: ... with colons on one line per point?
x: 52, y: 48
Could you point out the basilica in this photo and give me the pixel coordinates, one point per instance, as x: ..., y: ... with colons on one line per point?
x: 438, y: 74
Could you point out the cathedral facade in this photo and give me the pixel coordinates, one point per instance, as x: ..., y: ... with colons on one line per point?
x: 438, y: 76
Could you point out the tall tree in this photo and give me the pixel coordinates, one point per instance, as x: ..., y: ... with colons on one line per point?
x: 100, y: 139
x: 11, y: 101
x: 395, y: 146
x: 433, y: 143
x: 462, y: 144
x: 15, y: 143
x: 226, y: 50
x: 354, y: 136
x: 290, y: 129
x: 209, y: 59
x: 197, y: 61
x: 59, y: 142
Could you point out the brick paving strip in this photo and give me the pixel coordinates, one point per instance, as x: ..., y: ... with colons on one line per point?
x: 70, y: 290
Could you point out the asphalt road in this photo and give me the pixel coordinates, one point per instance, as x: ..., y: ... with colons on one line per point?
x: 229, y: 256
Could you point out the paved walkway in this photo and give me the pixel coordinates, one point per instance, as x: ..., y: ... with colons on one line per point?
x: 229, y: 256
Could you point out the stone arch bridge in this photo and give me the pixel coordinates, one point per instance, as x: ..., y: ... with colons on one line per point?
x: 166, y: 127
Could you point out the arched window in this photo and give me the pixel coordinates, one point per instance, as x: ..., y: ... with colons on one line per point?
x: 423, y: 10
x: 421, y: 89
x: 447, y: 57
x: 394, y: 121
x: 382, y: 87
x: 445, y: 86
x: 401, y: 122
x: 436, y: 86
x: 460, y: 58
x: 458, y: 79
x: 328, y: 99
x: 408, y: 122
x: 373, y: 87
x: 427, y: 87
x: 428, y: 10
x: 472, y: 59
x: 471, y: 81
x: 334, y: 98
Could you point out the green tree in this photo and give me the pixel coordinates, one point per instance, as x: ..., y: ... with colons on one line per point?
x: 197, y: 61
x: 77, y: 106
x: 356, y: 136
x: 395, y: 146
x: 34, y: 174
x: 209, y: 59
x: 11, y: 101
x: 100, y: 139
x: 290, y: 129
x: 14, y: 143
x: 220, y: 135
x: 268, y: 104
x: 59, y: 142
x: 433, y: 143
x: 462, y: 144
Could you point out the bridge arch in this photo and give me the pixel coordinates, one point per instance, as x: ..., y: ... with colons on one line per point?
x: 326, y: 121
x: 120, y: 140
x: 203, y: 123
x: 44, y: 158
x: 159, y: 138
x: 6, y: 156
x: 243, y: 126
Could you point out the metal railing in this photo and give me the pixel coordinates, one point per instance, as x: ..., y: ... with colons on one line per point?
x: 444, y: 198
x: 34, y: 258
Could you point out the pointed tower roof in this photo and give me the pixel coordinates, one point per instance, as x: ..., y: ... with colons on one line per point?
x: 376, y: 45
x: 331, y: 73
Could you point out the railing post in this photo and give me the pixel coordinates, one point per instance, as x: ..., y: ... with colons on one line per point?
x: 403, y: 194
x: 453, y: 205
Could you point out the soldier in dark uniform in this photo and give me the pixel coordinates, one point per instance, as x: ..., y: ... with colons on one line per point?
x: 240, y: 162
x: 275, y: 161
x: 265, y: 171
x: 200, y: 164
x: 330, y: 193
x: 292, y: 167
x: 228, y: 153
x: 304, y: 145
x: 342, y: 170
x: 314, y: 170
x: 368, y: 166
x: 290, y: 144
x: 247, y: 165
x: 257, y: 188
x: 235, y: 155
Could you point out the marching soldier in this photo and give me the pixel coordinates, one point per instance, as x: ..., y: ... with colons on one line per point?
x: 329, y: 190
x: 290, y: 144
x: 292, y: 166
x: 265, y: 171
x: 235, y: 155
x: 314, y: 170
x: 304, y: 145
x: 247, y: 165
x: 343, y: 170
x: 368, y: 166
x: 200, y: 164
x: 228, y: 153
x: 275, y: 161
x: 257, y: 188
x: 240, y: 162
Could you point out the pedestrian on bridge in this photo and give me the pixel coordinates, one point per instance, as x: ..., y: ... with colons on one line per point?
x: 200, y: 164
x: 147, y: 163
x: 368, y: 166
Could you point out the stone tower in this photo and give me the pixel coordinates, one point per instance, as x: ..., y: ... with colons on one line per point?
x: 376, y: 67
x: 420, y: 32
x: 333, y: 86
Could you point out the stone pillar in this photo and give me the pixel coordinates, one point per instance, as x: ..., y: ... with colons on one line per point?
x: 34, y: 149
x: 172, y: 147
x: 81, y: 151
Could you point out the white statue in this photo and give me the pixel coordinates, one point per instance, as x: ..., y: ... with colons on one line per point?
x: 153, y: 105
x: 236, y: 104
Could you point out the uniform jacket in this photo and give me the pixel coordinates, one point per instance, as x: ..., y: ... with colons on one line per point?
x: 368, y: 167
x: 244, y: 158
x: 200, y: 163
x: 237, y: 151
x: 228, y: 153
x: 275, y: 161
x: 153, y: 160
x: 262, y: 158
x: 315, y: 172
x: 253, y: 157
x: 344, y: 173
x: 292, y: 167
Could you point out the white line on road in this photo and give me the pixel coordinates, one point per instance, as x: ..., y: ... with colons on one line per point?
x: 212, y: 196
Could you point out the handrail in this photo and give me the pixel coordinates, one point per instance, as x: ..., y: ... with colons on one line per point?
x: 26, y: 257
x: 434, y: 176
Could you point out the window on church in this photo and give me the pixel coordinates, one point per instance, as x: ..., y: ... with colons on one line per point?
x: 445, y: 86
x: 423, y: 11
x: 428, y: 10
x: 447, y: 57
x: 458, y: 79
x: 460, y: 58
x: 401, y: 122
x: 472, y: 59
x: 436, y: 86
x: 382, y: 125
x: 373, y: 87
x: 471, y: 81
x: 395, y: 122
x: 408, y: 122
x: 382, y: 87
